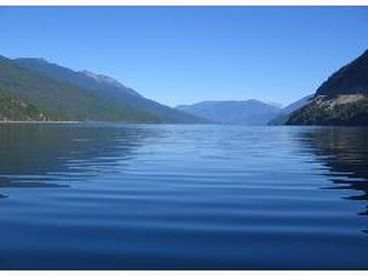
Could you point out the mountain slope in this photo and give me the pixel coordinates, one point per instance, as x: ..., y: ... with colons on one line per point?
x: 13, y: 109
x: 285, y: 113
x: 109, y: 89
x: 342, y: 110
x: 67, y: 101
x: 341, y: 100
x: 350, y: 79
x: 84, y: 79
x: 250, y: 112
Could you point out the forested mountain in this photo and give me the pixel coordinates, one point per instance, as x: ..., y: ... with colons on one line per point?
x: 13, y: 109
x: 65, y: 100
x: 109, y: 89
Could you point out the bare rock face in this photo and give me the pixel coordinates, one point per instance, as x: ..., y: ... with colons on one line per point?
x: 341, y: 100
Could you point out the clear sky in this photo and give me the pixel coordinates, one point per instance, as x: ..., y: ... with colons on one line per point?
x: 182, y: 55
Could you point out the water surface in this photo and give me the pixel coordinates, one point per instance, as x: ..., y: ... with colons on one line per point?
x: 99, y: 196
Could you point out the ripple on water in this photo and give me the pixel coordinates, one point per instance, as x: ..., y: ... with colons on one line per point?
x: 166, y: 196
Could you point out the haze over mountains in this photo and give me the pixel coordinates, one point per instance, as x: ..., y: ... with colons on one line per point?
x: 250, y: 112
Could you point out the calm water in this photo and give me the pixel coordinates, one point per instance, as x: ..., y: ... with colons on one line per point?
x: 183, y: 197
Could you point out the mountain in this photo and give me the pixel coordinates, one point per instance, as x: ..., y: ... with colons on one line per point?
x: 285, y: 113
x: 85, y: 79
x: 109, y: 89
x: 341, y: 100
x: 13, y: 109
x: 250, y: 112
x: 350, y: 79
x: 343, y: 110
x: 67, y: 101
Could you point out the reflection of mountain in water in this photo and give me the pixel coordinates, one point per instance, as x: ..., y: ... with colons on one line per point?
x: 36, y: 155
x: 343, y: 151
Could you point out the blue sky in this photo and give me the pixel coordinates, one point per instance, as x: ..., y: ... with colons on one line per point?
x: 182, y: 55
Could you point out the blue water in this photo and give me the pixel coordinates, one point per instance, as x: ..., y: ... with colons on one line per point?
x: 98, y: 196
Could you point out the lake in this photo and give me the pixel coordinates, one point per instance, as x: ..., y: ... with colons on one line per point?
x: 105, y: 196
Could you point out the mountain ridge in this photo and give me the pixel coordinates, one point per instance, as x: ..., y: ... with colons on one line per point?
x: 112, y: 91
x: 340, y: 100
x: 63, y: 99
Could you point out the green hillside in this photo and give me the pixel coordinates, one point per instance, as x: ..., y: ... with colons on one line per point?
x: 109, y: 89
x: 12, y: 109
x: 66, y: 100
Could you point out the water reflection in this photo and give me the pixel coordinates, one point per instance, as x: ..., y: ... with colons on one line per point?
x: 344, y: 151
x: 42, y: 155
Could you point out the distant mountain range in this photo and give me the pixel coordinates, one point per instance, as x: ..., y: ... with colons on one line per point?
x: 59, y: 93
x: 341, y: 100
x: 250, y: 112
